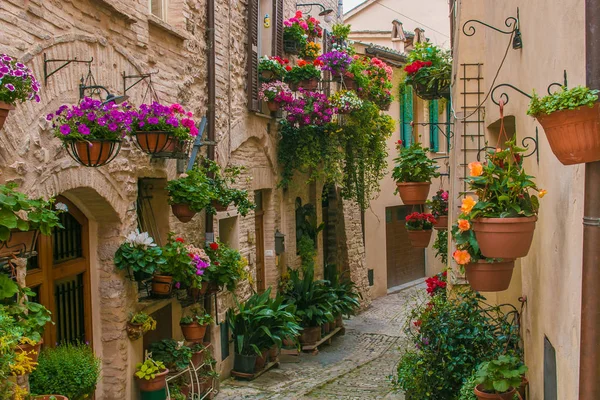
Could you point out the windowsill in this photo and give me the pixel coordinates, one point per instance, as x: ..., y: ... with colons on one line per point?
x: 263, y: 115
x: 115, y: 10
x: 159, y: 23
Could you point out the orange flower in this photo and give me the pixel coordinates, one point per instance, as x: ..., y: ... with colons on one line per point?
x: 461, y: 257
x: 475, y: 168
x: 543, y: 193
x: 467, y: 205
x: 463, y: 225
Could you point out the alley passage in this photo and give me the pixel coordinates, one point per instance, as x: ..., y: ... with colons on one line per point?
x: 355, y: 366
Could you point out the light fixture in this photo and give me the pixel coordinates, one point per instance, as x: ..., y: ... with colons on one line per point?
x: 327, y: 15
x: 325, y: 12
x: 95, y: 89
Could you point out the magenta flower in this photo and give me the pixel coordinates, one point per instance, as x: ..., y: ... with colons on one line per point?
x: 65, y: 129
x: 83, y: 129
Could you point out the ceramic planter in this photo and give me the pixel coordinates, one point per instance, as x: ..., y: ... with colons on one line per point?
x: 573, y: 135
x: 152, y: 142
x: 413, y: 192
x: 310, y: 335
x: 419, y: 239
x: 152, y: 385
x: 272, y: 106
x: 20, y: 243
x: 162, y: 284
x: 134, y: 331
x: 5, y: 108
x: 481, y: 395
x: 244, y: 364
x: 93, y: 153
x: 504, y: 237
x: 490, y: 277
x: 32, y: 351
x: 441, y: 223
x: 310, y: 84
x: 193, y: 332
x: 183, y: 212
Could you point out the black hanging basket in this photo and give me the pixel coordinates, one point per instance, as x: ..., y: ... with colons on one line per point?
x: 290, y: 47
x: 20, y: 244
x: 93, y: 153
x: 152, y: 142
x: 439, y: 89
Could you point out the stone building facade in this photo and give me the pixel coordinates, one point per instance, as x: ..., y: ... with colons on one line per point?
x: 136, y: 37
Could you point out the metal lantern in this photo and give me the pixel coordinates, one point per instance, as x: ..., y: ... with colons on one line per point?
x: 279, y: 243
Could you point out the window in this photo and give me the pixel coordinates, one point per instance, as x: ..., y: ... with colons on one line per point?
x: 434, y: 130
x: 158, y: 8
x: 406, y: 115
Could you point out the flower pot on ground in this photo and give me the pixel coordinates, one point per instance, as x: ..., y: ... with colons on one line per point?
x: 162, y: 284
x: 499, y: 378
x: 571, y: 121
x: 419, y: 227
x: 428, y: 71
x: 151, y: 375
x: 325, y: 328
x: 261, y: 360
x: 244, y: 363
x: 413, y: 173
x: 486, y: 276
x: 504, y: 237
x: 310, y: 335
x: 194, y: 324
x: 18, y: 84
x: 482, y: 395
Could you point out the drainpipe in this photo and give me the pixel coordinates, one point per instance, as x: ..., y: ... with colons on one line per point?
x: 340, y: 13
x: 210, y: 21
x: 589, y: 356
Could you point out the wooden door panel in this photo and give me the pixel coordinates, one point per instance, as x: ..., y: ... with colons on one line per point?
x: 260, y: 252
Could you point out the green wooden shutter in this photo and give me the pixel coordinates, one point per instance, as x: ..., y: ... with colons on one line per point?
x: 448, y: 123
x: 406, y: 116
x: 434, y: 132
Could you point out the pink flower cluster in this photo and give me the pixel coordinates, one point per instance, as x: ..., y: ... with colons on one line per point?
x: 17, y: 82
x: 309, y: 108
x: 158, y: 116
x: 310, y: 26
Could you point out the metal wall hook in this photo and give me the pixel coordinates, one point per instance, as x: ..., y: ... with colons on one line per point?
x: 510, y: 22
x: 65, y: 63
x: 505, y: 98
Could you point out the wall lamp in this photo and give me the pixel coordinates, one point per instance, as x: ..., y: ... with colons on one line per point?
x: 110, y: 97
x: 325, y: 12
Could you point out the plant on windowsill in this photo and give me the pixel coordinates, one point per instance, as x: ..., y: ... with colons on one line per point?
x: 304, y: 74
x: 138, y: 324
x: 194, y: 324
x: 570, y: 119
x: 221, y: 188
x: 428, y: 71
x: 419, y: 227
x: 189, y: 194
x: 273, y: 68
x: 438, y: 205
x: 227, y: 267
x: 160, y: 128
x: 499, y: 378
x: 413, y: 173
x: 274, y: 94
x: 17, y: 84
x: 151, y: 375
x: 173, y: 354
x: 139, y: 256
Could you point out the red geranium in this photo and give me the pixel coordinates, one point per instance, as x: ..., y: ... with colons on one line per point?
x: 214, y: 246
x: 180, y: 240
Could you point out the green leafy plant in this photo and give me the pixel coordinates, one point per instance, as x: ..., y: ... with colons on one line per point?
x: 341, y: 31
x: 227, y: 266
x: 345, y: 297
x: 71, y: 370
x: 441, y: 246
x: 197, y: 315
x: 221, y: 187
x: 178, y: 261
x: 148, y: 323
x: 565, y: 99
x: 501, y: 375
x: 149, y: 369
x: 175, y: 355
x: 32, y: 317
x: 413, y: 165
x: 11, y: 334
x: 439, y: 203
x: 175, y: 393
x: 428, y: 66
x: 303, y: 71
x: 139, y: 253
x: 191, y: 188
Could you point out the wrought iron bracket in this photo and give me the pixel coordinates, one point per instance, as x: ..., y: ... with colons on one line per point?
x: 449, y: 134
x: 505, y: 98
x: 65, y: 63
x: 147, y: 78
x: 513, y: 23
x: 530, y: 143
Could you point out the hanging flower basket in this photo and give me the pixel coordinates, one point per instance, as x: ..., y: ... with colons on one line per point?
x: 152, y: 142
x: 419, y: 239
x: 413, y: 192
x: 573, y: 135
x: 349, y: 83
x: 439, y: 89
x: 481, y: 395
x: 4, y: 110
x: 441, y: 223
x: 272, y: 106
x: 183, y: 212
x: 504, y: 237
x: 32, y: 351
x: 219, y: 207
x: 267, y: 76
x: 17, y: 85
x: 134, y: 331
x: 490, y: 277
x: 20, y: 244
x: 93, y: 153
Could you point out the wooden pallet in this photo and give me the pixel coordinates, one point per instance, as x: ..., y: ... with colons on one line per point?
x: 250, y: 377
x: 325, y: 339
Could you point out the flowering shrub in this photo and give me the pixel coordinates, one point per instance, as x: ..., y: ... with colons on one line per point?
x: 419, y: 221
x: 413, y: 165
x: 277, y: 92
x: 17, y: 82
x: 91, y: 120
x: 439, y: 203
x: 428, y: 68
x: 437, y: 284
x: 159, y: 117
x: 227, y: 266
x: 346, y: 101
x: 304, y: 71
x: 309, y: 108
x: 336, y: 62
x: 276, y: 65
x: 311, y: 50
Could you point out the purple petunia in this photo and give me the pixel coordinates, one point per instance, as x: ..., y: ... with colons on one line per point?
x: 10, y: 87
x: 65, y: 129
x: 83, y: 129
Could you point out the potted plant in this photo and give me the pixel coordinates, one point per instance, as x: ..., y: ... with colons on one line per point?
x: 295, y: 36
x: 151, y: 375
x: 339, y: 35
x: 274, y: 93
x: 345, y: 101
x: 304, y: 75
x: 374, y: 78
x: 139, y: 256
x: 71, y: 370
x: 413, y: 173
x: 175, y: 393
x: 428, y: 71
x: 570, y: 118
x: 50, y: 397
x: 199, y: 352
x: 273, y: 68
x: 499, y: 378
x: 309, y: 109
x: 227, y: 266
x: 222, y: 192
x: 92, y: 131
x: 174, y: 355
x: 189, y: 194
x: 193, y: 325
x: 505, y: 213
x: 138, y: 324
x: 419, y: 227
x: 311, y: 51
x: 176, y: 268
x: 207, y: 379
x: 439, y: 209
x: 196, y: 280
x: 158, y: 127
x: 336, y: 62
x: 17, y: 84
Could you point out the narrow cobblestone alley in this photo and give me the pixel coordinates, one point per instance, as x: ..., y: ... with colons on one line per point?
x: 355, y: 366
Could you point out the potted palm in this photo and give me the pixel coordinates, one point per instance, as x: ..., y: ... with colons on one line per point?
x: 438, y: 205
x: 139, y: 256
x: 138, y: 324
x: 499, y: 378
x: 570, y: 118
x: 17, y: 84
x: 193, y: 325
x: 419, y: 227
x: 413, y: 173
x: 189, y: 194
x: 151, y: 375
x: 428, y: 71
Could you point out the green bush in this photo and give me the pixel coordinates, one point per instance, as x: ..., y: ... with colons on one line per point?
x: 71, y: 370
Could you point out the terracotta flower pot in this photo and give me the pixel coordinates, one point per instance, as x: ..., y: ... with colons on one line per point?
x: 134, y: 331
x: 523, y: 388
x: 273, y: 353
x: 310, y: 84
x: 20, y: 243
x: 339, y: 322
x: 289, y: 342
x: 95, y: 153
x: 325, y: 328
x: 218, y: 206
x: 152, y: 385
x: 504, y: 237
x: 267, y: 76
x: 193, y: 332
x: 206, y: 385
x: 481, y: 395
x: 32, y: 351
x: 310, y: 335
x: 162, y: 284
x: 419, y: 239
x: 490, y: 277
x: 261, y: 360
x: 441, y: 223
x: 272, y: 106
x: 183, y: 212
x: 413, y: 192
x: 198, y: 358
x: 152, y: 142
x: 197, y: 293
x: 5, y: 108
x: 573, y: 135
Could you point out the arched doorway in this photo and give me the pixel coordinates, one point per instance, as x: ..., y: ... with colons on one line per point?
x: 60, y: 276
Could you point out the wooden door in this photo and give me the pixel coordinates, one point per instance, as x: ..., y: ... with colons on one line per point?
x: 60, y: 275
x: 404, y: 262
x: 260, y: 251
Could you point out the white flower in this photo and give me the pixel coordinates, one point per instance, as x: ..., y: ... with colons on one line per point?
x: 137, y: 239
x: 184, y: 175
x: 61, y: 207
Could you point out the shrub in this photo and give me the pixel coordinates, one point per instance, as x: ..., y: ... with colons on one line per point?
x: 566, y: 99
x: 71, y: 370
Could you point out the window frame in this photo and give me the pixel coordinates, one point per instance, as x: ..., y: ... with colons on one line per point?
x: 164, y: 8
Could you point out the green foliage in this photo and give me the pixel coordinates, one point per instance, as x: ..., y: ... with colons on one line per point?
x: 466, y: 390
x: 227, y: 266
x: 341, y: 31
x: 71, y: 370
x: 295, y: 34
x: 565, y: 99
x: 148, y: 323
x: 441, y: 246
x: 175, y: 393
x: 149, y: 369
x: 413, y: 165
x: 434, y: 75
x: 306, y: 225
x: 221, y: 187
x: 346, y: 299
x: 10, y: 335
x: 8, y: 287
x: 177, y: 259
x: 501, y: 375
x: 191, y: 188
x: 451, y: 337
x: 304, y: 71
x: 197, y: 315
x: 174, y: 355
x: 32, y: 317
x: 139, y: 255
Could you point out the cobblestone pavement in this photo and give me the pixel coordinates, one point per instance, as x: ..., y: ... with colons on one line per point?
x: 355, y: 366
